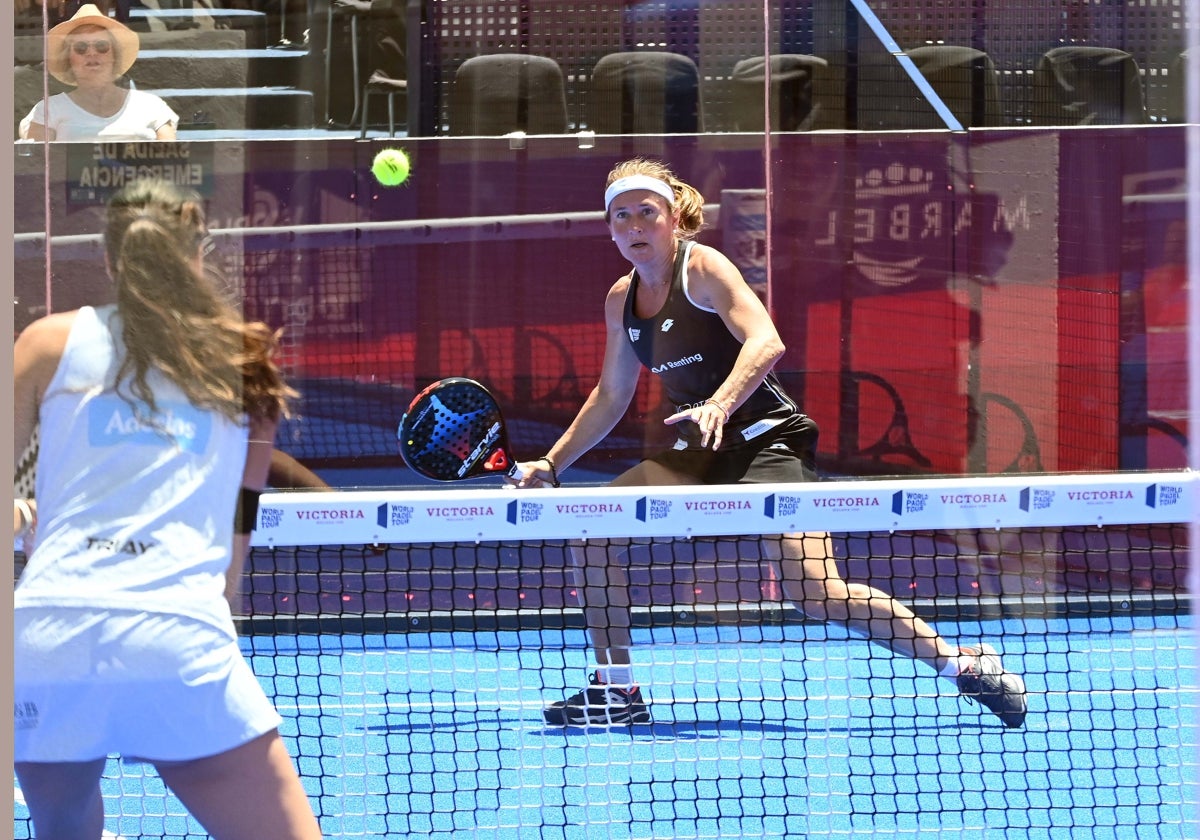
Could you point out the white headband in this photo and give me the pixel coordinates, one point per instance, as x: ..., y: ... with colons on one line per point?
x: 637, y: 182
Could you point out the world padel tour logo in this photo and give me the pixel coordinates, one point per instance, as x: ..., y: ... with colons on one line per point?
x: 393, y: 516
x: 269, y: 517
x: 1163, y: 495
x: 1031, y: 499
x: 520, y: 512
x: 909, y: 501
x: 780, y: 505
x: 650, y: 509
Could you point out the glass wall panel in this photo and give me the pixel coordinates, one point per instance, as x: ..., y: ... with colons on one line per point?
x: 966, y: 219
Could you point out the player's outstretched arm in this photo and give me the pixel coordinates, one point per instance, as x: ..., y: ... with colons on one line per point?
x: 604, y: 406
x: 254, y: 480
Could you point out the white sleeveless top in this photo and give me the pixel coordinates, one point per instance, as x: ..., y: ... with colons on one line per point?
x: 133, y: 512
x: 141, y: 116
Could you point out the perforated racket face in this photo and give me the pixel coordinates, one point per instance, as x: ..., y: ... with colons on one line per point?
x: 454, y: 430
x: 26, y: 469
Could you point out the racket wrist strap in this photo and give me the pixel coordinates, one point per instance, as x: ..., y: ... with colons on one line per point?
x: 554, y: 482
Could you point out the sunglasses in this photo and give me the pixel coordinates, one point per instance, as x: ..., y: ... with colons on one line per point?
x: 101, y: 47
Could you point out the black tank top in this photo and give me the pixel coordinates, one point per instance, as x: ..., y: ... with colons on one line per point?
x: 692, y: 352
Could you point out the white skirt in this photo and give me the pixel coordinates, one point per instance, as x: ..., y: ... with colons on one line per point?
x: 89, y: 683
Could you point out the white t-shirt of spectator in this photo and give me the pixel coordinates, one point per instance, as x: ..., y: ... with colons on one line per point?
x: 140, y: 118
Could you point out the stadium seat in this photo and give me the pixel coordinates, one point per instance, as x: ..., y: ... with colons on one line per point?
x: 1177, y: 89
x: 964, y: 79
x: 1088, y: 86
x: 795, y: 104
x: 506, y: 92
x: 645, y: 92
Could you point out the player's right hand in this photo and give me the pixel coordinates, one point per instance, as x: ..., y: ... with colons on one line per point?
x: 530, y: 474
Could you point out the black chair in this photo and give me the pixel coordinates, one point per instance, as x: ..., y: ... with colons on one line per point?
x: 1177, y: 89
x: 795, y: 81
x: 507, y: 92
x: 1088, y: 86
x: 382, y: 84
x: 376, y: 40
x: 964, y: 79
x: 645, y: 92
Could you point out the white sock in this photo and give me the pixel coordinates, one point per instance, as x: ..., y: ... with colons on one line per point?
x: 956, y: 666
x: 615, y: 674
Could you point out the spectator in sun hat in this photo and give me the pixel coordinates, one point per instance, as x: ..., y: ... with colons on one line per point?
x: 91, y: 52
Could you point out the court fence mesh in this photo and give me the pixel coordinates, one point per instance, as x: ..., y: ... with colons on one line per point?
x: 410, y: 640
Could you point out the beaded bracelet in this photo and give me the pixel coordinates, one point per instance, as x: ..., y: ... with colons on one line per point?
x: 553, y: 471
x: 721, y: 408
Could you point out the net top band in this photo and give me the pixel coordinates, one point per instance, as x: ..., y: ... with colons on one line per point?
x: 422, y: 515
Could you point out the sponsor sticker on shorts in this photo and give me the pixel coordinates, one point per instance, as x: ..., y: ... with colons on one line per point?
x: 755, y: 429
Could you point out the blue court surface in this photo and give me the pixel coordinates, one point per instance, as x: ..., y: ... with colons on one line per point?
x: 760, y: 731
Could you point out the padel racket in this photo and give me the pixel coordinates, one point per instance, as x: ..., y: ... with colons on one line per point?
x: 454, y: 430
x: 24, y: 479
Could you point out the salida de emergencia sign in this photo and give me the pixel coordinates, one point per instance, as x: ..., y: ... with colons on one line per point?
x: 96, y: 171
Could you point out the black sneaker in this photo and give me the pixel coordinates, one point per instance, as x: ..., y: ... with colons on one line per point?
x: 599, y: 705
x: 989, y: 684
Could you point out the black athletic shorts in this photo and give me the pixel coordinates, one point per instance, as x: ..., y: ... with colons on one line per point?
x: 787, y: 453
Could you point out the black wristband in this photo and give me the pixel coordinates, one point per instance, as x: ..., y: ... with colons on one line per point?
x: 246, y: 515
x: 554, y: 482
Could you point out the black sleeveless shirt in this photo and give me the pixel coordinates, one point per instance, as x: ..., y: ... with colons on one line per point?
x: 692, y: 351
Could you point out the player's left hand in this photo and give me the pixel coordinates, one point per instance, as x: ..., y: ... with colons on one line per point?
x: 709, y: 416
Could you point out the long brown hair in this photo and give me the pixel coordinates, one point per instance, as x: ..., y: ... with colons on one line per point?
x: 688, y: 204
x: 176, y: 319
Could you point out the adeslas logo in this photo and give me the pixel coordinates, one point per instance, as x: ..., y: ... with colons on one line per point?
x: 114, y: 422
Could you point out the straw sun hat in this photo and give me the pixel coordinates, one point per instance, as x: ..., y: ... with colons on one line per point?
x: 59, y: 63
